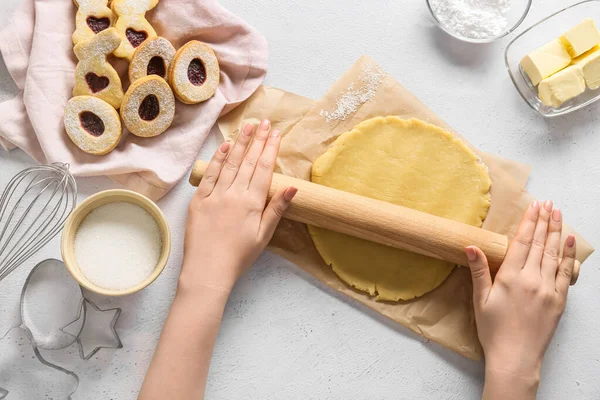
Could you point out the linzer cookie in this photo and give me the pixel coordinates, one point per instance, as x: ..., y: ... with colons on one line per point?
x: 132, y: 25
x: 93, y: 16
x: 148, y: 107
x: 92, y: 124
x: 94, y: 76
x: 153, y: 57
x: 194, y: 73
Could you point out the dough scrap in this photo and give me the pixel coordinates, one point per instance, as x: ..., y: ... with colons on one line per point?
x: 410, y: 163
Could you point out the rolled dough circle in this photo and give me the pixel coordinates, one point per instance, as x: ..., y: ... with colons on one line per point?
x: 410, y: 163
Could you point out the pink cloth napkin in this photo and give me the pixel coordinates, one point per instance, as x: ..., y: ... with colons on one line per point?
x: 37, y: 49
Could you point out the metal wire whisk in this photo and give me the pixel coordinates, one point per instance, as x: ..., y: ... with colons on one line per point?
x: 33, y: 209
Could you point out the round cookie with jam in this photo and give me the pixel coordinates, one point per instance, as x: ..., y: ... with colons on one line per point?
x: 92, y: 124
x: 194, y: 73
x: 153, y: 57
x: 148, y: 107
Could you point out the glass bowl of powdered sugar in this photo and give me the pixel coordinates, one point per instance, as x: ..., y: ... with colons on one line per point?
x: 479, y: 21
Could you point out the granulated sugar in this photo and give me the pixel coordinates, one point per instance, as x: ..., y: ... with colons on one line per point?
x: 475, y: 19
x: 118, y: 245
x: 350, y: 101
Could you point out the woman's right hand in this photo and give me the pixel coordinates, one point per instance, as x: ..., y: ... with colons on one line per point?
x: 230, y: 220
x: 518, y: 313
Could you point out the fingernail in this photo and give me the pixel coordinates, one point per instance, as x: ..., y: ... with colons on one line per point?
x: 548, y: 205
x: 275, y: 133
x: 224, y: 147
x: 535, y: 205
x: 571, y: 241
x: 248, y: 130
x: 556, y: 215
x: 471, y: 254
x: 289, y: 194
x: 265, y: 125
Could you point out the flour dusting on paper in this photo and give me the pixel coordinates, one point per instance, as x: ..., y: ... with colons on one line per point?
x: 352, y: 98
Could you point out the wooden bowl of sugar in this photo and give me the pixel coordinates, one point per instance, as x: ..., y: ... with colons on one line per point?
x: 116, y: 242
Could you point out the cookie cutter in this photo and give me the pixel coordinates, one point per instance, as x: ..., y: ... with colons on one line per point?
x: 53, y: 271
x: 83, y: 313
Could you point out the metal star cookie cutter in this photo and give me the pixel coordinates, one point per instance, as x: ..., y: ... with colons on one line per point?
x: 80, y: 337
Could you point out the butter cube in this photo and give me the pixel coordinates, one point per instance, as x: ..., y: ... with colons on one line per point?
x: 581, y: 38
x: 545, y: 61
x: 562, y: 86
x: 590, y: 64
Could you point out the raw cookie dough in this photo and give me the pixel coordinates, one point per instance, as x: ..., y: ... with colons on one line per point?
x: 410, y: 163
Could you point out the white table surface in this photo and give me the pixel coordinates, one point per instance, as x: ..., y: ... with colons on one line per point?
x: 284, y: 336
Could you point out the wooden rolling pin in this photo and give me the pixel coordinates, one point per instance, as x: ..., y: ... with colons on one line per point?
x: 385, y: 223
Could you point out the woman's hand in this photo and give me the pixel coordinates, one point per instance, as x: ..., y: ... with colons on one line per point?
x: 517, y: 315
x: 228, y: 225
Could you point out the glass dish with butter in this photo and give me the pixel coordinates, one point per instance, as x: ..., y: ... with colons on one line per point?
x: 555, y: 64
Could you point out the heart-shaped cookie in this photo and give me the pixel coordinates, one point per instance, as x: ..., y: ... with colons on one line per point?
x: 132, y: 25
x: 94, y: 75
x: 93, y: 17
x: 95, y: 82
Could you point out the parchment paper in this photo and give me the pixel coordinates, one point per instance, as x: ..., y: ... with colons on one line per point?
x: 444, y: 315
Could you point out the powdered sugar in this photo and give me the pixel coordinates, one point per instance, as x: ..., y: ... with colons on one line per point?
x: 118, y: 245
x: 357, y: 94
x: 475, y: 19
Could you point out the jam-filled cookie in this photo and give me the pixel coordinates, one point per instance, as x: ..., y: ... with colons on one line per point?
x: 94, y: 76
x: 93, y: 16
x: 153, y: 57
x: 132, y: 25
x: 148, y: 106
x: 194, y: 73
x: 92, y: 124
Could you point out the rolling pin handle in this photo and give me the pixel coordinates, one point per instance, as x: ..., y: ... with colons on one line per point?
x: 197, y: 173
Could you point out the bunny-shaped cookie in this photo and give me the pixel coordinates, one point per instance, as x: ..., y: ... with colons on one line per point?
x: 132, y: 25
x: 93, y: 16
x: 94, y: 76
